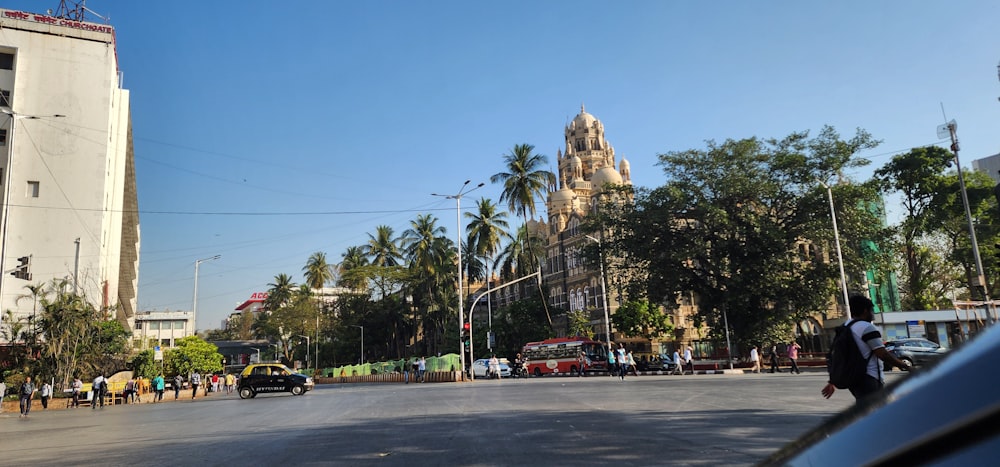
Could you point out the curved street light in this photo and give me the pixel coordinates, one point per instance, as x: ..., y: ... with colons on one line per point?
x: 458, y: 246
x: 840, y: 257
x: 194, y: 304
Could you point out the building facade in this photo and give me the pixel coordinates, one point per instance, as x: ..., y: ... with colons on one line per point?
x: 161, y: 328
x: 69, y: 210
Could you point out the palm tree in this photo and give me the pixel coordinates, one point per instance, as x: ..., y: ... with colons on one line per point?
x: 279, y: 292
x: 352, y: 259
x: 487, y: 231
x: 422, y: 244
x: 523, y: 180
x: 317, y: 271
x: 382, y: 248
x: 512, y: 257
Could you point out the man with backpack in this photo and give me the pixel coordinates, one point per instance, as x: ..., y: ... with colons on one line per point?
x: 850, y: 361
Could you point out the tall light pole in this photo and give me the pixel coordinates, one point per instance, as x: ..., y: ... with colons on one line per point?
x: 604, y: 292
x: 361, y: 359
x: 8, y: 182
x: 458, y: 246
x: 840, y: 257
x: 952, y: 130
x: 194, y: 304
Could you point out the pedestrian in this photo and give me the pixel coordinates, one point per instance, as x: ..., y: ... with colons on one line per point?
x: 195, y: 382
x: 631, y: 363
x: 128, y: 391
x: 3, y: 391
x: 611, y: 361
x: 622, y: 361
x: 869, y: 341
x: 405, y: 366
x: 793, y: 355
x: 689, y: 358
x: 421, y: 368
x: 754, y: 360
x: 178, y: 384
x: 215, y: 382
x: 26, y: 393
x: 45, y: 394
x: 494, y: 367
x: 158, y: 385
x: 774, y: 359
x: 77, y: 385
x: 678, y: 364
x: 97, y: 389
x: 230, y: 383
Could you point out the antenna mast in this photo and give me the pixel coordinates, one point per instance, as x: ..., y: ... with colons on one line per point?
x: 77, y: 12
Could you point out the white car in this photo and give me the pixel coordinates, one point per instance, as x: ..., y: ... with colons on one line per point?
x: 480, y: 366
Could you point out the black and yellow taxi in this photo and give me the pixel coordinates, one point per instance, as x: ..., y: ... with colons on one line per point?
x: 272, y: 377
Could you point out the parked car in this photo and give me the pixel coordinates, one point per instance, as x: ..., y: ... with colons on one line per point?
x: 480, y: 366
x: 916, y: 351
x: 272, y: 377
x: 662, y: 363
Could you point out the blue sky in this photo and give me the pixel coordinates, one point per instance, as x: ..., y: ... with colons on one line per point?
x: 267, y: 131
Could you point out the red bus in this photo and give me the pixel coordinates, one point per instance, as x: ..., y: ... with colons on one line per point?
x: 561, y: 355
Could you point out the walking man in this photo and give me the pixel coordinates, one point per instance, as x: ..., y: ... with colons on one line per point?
x: 869, y: 341
x: 26, y: 393
x: 46, y: 394
x: 195, y: 382
x: 793, y: 355
x: 678, y: 364
x: 421, y: 368
x: 611, y: 361
x: 97, y: 388
x: 775, y: 367
x: 158, y: 384
x: 178, y: 383
x: 754, y: 360
x: 77, y: 386
x: 689, y: 359
x: 3, y: 390
x: 622, y: 360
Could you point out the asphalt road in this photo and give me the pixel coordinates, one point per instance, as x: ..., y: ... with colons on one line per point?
x: 597, y: 420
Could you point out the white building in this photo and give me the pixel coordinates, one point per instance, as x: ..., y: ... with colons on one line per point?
x: 989, y: 165
x: 67, y: 167
x: 161, y: 328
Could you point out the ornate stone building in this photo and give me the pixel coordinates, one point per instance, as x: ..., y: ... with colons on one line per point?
x: 585, y: 167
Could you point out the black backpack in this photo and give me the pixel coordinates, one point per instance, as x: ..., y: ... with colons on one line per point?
x: 844, y: 362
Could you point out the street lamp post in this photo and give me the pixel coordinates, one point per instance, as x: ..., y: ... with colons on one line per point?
x: 194, y: 305
x: 275, y: 352
x: 840, y: 257
x: 361, y: 359
x: 604, y: 292
x: 7, y: 181
x: 458, y: 246
x: 307, y: 349
x: 952, y: 129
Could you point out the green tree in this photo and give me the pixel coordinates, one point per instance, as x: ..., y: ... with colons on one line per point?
x: 352, y: 260
x: 383, y: 248
x: 317, y: 271
x: 727, y: 227
x: 524, y: 179
x: 144, y: 366
x: 279, y: 292
x: 192, y: 354
x: 515, y: 325
x: 578, y: 322
x: 641, y: 319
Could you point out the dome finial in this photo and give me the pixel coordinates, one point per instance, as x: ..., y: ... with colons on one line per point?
x: 582, y: 110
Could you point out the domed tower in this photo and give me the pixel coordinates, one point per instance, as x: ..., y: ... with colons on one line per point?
x: 586, y: 166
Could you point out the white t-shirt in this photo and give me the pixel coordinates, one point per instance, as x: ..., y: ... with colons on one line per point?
x: 868, y: 338
x: 753, y: 355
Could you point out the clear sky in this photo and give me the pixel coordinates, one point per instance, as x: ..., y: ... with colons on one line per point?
x: 266, y: 131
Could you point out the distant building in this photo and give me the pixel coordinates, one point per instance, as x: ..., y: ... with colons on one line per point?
x: 989, y: 165
x: 67, y: 173
x: 162, y: 328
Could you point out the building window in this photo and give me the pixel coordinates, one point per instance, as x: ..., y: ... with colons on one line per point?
x: 178, y: 324
x: 6, y: 61
x: 33, y: 189
x: 154, y: 325
x: 138, y: 325
x: 3, y: 136
x: 4, y: 98
x: 164, y: 342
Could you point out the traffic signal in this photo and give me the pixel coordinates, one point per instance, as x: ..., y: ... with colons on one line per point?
x: 466, y: 333
x: 21, y: 271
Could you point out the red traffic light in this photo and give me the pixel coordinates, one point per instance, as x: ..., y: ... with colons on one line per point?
x: 466, y: 326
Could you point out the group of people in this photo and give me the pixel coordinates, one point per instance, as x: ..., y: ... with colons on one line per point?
x: 418, y: 366
x: 791, y: 348
x: 26, y: 393
x: 621, y: 361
